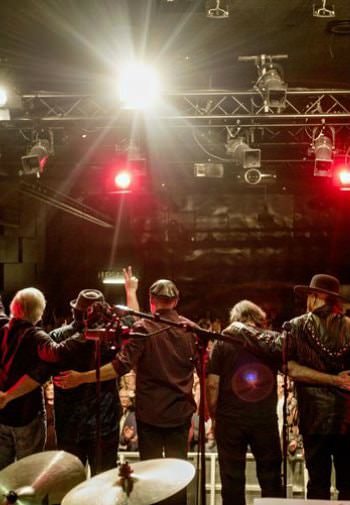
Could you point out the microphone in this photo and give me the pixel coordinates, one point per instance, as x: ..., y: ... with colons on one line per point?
x: 287, y: 326
x: 123, y: 309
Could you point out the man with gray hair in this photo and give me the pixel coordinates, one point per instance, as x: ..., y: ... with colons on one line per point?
x: 22, y: 422
x: 242, y: 400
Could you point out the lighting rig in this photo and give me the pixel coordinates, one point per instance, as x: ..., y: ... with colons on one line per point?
x: 270, y: 83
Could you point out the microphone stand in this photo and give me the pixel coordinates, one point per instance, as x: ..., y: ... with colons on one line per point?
x: 99, y: 335
x: 202, y: 341
x: 286, y: 327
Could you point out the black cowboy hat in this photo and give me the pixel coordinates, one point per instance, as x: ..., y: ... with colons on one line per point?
x: 85, y: 298
x: 322, y: 283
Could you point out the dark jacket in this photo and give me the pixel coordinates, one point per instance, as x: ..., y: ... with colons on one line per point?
x: 19, y: 343
x: 319, y: 340
x: 164, y: 371
x: 326, y: 348
x: 75, y: 409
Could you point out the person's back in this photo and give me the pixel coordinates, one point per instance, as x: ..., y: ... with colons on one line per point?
x: 242, y: 399
x: 321, y: 339
x: 19, y: 357
x: 22, y: 422
x: 164, y: 373
x: 76, y: 409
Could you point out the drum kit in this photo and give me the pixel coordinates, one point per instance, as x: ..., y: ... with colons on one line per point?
x: 54, y: 477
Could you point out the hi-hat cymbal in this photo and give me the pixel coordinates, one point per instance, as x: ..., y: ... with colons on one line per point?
x: 152, y: 481
x: 42, y: 477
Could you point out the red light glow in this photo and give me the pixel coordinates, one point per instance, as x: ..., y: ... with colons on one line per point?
x: 123, y: 179
x: 344, y: 176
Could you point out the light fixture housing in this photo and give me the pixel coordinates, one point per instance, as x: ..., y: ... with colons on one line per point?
x: 274, y: 89
x: 323, y: 148
x: 34, y: 162
x: 209, y: 169
x: 323, y: 9
x: 242, y: 154
x: 217, y: 9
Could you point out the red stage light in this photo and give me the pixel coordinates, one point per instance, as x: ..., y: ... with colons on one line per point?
x: 123, y: 179
x: 344, y: 176
x: 341, y: 177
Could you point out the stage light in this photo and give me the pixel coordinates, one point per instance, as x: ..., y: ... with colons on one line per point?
x: 242, y: 154
x: 112, y: 277
x: 323, y: 148
x: 139, y: 86
x: 34, y: 162
x: 341, y: 177
x: 323, y: 9
x: 10, y: 102
x: 212, y: 170
x: 344, y: 176
x: 122, y: 175
x: 123, y: 179
x: 255, y: 177
x: 217, y: 9
x: 270, y: 81
x: 273, y: 89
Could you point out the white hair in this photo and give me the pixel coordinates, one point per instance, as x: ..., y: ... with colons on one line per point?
x: 28, y: 304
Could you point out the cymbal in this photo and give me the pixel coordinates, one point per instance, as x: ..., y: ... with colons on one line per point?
x: 152, y: 481
x: 48, y: 474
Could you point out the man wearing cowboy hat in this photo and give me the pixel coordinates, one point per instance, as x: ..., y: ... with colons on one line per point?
x: 75, y: 411
x: 321, y: 339
x: 164, y: 379
x: 318, y: 355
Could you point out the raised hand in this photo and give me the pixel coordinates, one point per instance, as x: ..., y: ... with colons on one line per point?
x: 131, y: 281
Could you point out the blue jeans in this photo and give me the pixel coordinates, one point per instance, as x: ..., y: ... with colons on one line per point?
x: 16, y: 442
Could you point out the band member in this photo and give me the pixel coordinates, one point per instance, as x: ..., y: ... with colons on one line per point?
x: 242, y: 401
x: 318, y: 353
x: 165, y: 365
x: 22, y: 422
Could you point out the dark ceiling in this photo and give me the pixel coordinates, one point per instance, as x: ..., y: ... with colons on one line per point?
x: 74, y: 44
x: 190, y: 230
x: 77, y: 46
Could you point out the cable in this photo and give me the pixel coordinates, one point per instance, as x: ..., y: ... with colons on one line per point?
x: 206, y: 151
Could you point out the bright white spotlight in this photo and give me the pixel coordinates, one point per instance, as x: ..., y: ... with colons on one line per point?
x: 3, y: 96
x: 139, y: 86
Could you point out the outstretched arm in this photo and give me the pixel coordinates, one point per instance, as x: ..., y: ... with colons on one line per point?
x: 71, y: 379
x: 302, y: 373
x: 268, y: 345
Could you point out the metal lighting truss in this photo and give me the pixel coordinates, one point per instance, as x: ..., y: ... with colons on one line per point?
x: 304, y: 108
x: 198, y: 107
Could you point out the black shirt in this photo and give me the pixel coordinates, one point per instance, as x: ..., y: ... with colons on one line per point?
x: 75, y: 409
x: 247, y: 387
x: 164, y: 371
x: 19, y: 341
